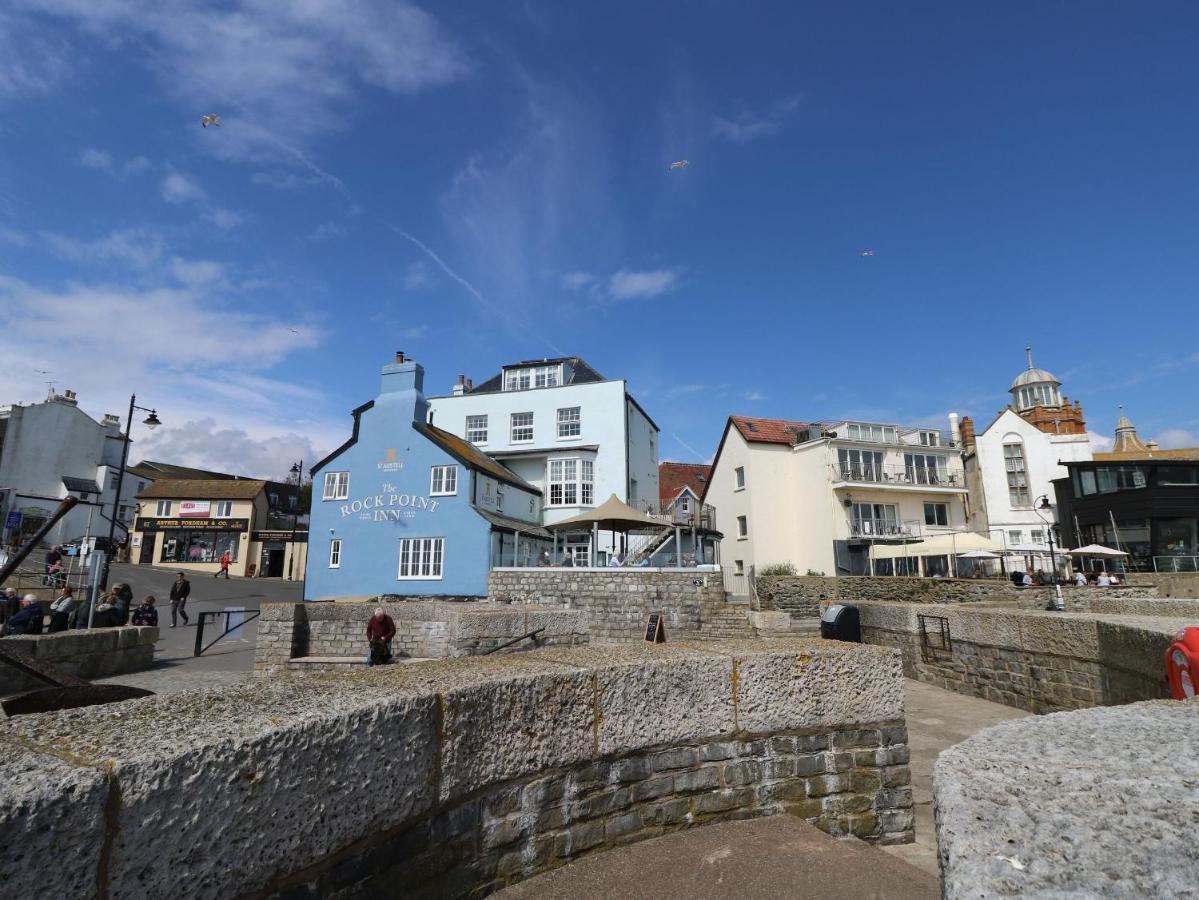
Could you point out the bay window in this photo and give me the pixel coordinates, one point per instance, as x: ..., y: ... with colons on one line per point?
x: 571, y: 482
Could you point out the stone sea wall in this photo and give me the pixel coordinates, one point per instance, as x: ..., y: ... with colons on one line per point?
x: 424, y: 629
x: 806, y: 595
x: 618, y: 601
x: 84, y: 653
x: 451, y: 778
x: 1094, y: 803
x: 1038, y: 661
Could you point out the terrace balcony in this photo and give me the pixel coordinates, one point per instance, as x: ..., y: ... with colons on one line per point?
x: 885, y: 530
x: 948, y: 480
x: 671, y: 514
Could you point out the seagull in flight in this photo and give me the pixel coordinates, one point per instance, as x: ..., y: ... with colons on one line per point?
x: 210, y: 119
x: 678, y: 164
x: 293, y: 331
x: 868, y: 253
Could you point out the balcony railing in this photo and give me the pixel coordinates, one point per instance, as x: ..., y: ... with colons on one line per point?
x: 906, y: 476
x: 673, y: 514
x: 884, y: 529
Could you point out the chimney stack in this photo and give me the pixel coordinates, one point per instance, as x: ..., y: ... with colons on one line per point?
x: 470, y: 385
x: 460, y: 386
x: 967, y: 428
x: 399, y: 356
x: 955, y: 430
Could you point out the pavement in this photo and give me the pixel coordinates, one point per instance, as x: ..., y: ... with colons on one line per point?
x: 779, y: 856
x: 231, y: 659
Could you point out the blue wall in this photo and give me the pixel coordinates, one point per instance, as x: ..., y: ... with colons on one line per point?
x: 389, y: 468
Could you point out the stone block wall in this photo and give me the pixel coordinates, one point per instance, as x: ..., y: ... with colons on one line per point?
x: 1179, y: 585
x: 1089, y: 598
x: 84, y: 653
x: 618, y: 601
x: 1040, y: 662
x: 424, y: 629
x: 489, y: 769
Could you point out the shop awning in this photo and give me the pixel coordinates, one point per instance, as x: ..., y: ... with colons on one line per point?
x: 1096, y: 550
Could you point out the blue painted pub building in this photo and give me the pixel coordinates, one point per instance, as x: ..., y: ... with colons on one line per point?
x: 405, y: 508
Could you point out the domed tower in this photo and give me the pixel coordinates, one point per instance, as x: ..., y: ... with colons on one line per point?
x: 1037, y: 398
x: 1127, y: 439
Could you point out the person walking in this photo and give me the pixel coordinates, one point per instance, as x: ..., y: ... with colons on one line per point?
x: 60, y: 611
x: 53, y: 561
x: 226, y: 559
x: 379, y: 632
x: 180, y: 591
x: 146, y: 614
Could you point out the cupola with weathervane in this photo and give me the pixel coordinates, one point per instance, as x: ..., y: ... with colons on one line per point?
x: 1037, y: 398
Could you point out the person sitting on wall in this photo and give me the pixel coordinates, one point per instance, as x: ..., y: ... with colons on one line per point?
x: 1027, y: 581
x: 1115, y: 579
x: 1080, y: 578
x: 28, y: 619
x: 122, y: 599
x: 614, y: 559
x: 106, y: 615
x: 379, y: 632
x: 1104, y: 580
x: 146, y: 614
x: 60, y: 611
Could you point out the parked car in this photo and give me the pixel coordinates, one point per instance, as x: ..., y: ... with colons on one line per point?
x: 71, y: 547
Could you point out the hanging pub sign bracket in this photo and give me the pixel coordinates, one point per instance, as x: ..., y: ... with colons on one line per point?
x: 655, y: 629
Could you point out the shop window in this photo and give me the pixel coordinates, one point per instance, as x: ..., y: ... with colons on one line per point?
x: 421, y: 558
x: 335, y: 553
x: 181, y: 545
x: 1177, y: 476
x: 443, y: 480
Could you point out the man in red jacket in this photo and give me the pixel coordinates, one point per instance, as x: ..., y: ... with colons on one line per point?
x: 379, y: 632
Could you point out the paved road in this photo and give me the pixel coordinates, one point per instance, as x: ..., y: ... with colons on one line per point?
x: 175, y: 668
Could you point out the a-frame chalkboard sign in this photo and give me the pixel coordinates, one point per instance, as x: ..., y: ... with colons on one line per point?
x: 655, y: 629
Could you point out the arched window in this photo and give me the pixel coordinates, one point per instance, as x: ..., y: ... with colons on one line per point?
x: 1016, y: 470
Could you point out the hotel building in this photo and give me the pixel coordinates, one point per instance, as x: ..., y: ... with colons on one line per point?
x: 838, y: 498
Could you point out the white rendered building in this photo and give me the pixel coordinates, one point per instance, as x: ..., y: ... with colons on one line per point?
x: 560, y: 426
x: 52, y: 450
x: 843, y: 498
x: 1013, y: 460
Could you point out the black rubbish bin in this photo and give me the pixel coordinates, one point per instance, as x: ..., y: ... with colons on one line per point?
x: 841, y: 622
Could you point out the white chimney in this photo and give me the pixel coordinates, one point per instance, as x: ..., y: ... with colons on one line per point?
x: 460, y: 386
x: 955, y: 429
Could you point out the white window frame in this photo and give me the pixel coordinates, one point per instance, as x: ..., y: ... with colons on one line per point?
x: 335, y: 553
x: 742, y: 527
x: 1036, y: 536
x: 930, y: 439
x: 224, y: 508
x: 430, y: 559
x: 476, y: 433
x: 739, y: 478
x: 443, y: 481
x: 336, y: 486
x: 874, y: 434
x: 569, y: 481
x: 1015, y: 536
x: 570, y: 426
x: 513, y: 426
x: 163, y: 508
x: 1018, y: 488
x: 936, y: 505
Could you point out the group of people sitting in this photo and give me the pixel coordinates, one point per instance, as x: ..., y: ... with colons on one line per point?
x: 1080, y: 579
x: 26, y: 615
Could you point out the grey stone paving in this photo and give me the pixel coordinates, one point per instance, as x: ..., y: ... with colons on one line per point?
x: 937, y: 719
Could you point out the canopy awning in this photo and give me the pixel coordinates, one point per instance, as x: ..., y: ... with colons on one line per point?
x: 938, y: 545
x: 980, y: 554
x: 612, y: 515
x: 1028, y: 548
x: 1096, y: 550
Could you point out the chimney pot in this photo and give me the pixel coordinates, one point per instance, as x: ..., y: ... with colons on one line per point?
x: 399, y: 356
x: 470, y: 384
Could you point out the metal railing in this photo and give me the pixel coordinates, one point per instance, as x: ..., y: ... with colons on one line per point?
x: 250, y: 616
x: 699, y: 516
x: 906, y: 476
x: 516, y: 640
x: 883, y: 528
x: 1176, y: 564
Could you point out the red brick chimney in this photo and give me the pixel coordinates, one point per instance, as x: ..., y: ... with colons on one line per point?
x: 967, y: 433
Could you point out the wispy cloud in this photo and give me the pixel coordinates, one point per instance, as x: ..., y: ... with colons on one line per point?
x: 681, y: 390
x: 1100, y: 443
x: 749, y: 125
x: 754, y: 396
x: 275, y: 72
x: 628, y: 285
x: 96, y: 159
x: 31, y: 63
x: 179, y: 189
x: 102, y: 161
x: 418, y: 276
x: 138, y: 247
x: 1177, y: 439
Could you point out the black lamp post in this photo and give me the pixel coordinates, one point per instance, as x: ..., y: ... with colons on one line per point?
x: 1039, y: 504
x: 151, y: 421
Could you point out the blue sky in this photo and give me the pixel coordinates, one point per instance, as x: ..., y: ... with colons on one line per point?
x: 482, y: 183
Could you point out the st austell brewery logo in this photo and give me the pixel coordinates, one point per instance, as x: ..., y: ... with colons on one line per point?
x: 391, y: 464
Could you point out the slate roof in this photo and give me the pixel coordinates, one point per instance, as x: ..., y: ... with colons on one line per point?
x: 511, y: 524
x: 674, y: 476
x: 203, y: 489
x: 148, y: 468
x: 767, y: 431
x: 80, y: 485
x: 468, y: 454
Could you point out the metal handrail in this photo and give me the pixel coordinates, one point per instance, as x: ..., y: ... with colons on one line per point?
x: 874, y: 527
x: 1170, y: 564
x: 250, y: 614
x: 869, y: 473
x: 516, y: 640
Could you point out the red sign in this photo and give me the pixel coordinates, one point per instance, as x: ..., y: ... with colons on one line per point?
x: 195, y: 509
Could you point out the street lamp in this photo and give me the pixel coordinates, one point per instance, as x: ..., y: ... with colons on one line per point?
x: 151, y: 421
x: 1042, y: 502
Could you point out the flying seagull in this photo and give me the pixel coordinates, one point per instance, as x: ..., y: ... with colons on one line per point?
x: 678, y: 164
x: 293, y: 331
x: 868, y: 253
x: 210, y: 119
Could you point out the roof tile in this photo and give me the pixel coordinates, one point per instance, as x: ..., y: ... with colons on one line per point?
x: 767, y: 431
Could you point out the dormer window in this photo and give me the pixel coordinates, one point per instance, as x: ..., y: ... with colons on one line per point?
x: 930, y: 439
x: 534, y: 376
x: 877, y: 434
